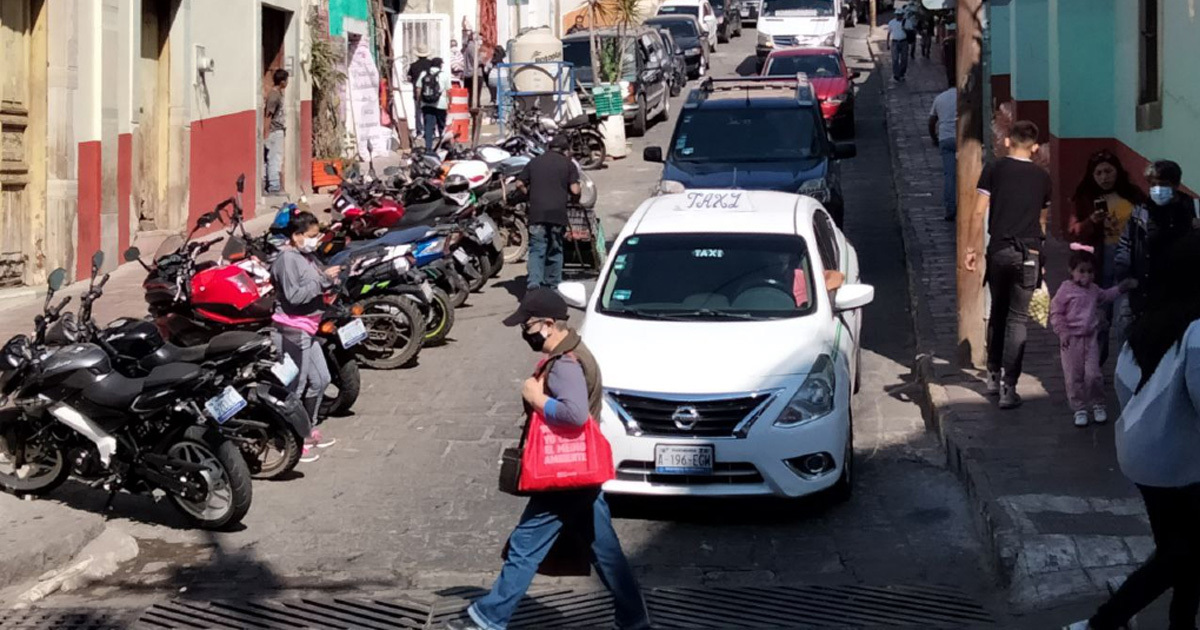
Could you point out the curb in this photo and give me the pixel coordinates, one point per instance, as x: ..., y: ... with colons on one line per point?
x: 993, y: 523
x: 22, y: 561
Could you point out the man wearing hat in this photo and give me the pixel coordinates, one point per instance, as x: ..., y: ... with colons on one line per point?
x: 550, y: 180
x: 415, y: 70
x: 566, y: 388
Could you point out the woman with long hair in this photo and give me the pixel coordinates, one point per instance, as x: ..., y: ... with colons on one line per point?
x: 1158, y: 439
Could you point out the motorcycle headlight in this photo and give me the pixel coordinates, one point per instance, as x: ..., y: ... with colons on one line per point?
x: 816, y: 188
x: 814, y: 399
x: 829, y: 39
x: 764, y: 39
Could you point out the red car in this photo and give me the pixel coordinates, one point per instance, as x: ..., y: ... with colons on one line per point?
x: 832, y: 80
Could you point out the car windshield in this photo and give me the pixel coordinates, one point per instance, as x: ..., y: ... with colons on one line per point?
x: 709, y: 277
x: 579, y: 53
x: 797, y: 8
x: 679, y: 28
x: 746, y: 134
x: 815, y: 66
x: 679, y: 10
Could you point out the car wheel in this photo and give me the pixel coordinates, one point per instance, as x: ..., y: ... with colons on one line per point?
x: 848, y: 128
x: 638, y: 129
x: 841, y: 491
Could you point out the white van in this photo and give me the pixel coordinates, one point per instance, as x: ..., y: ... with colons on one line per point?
x: 793, y: 23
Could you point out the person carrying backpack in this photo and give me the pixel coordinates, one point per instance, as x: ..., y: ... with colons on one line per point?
x: 433, y: 92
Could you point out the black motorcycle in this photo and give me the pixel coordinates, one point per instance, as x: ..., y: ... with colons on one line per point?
x: 72, y: 410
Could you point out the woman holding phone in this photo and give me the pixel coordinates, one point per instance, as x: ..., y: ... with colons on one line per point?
x: 1104, y: 202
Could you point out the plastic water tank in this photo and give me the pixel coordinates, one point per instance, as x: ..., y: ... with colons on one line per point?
x: 536, y: 46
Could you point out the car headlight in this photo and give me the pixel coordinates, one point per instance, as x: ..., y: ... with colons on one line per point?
x: 829, y: 39
x: 693, y: 51
x: 816, y: 188
x: 764, y: 39
x: 814, y: 399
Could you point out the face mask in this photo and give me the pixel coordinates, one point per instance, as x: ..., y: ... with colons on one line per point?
x: 1161, y: 194
x: 310, y: 244
x: 535, y: 340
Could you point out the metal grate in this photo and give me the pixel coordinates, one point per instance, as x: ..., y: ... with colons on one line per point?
x: 702, y: 417
x: 748, y: 607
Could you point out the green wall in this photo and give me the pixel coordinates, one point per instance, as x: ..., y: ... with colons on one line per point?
x: 1082, y: 97
x: 338, y: 9
x: 1000, y: 29
x: 1030, y: 48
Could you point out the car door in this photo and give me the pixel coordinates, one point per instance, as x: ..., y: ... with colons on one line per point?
x: 835, y: 257
x: 655, y: 74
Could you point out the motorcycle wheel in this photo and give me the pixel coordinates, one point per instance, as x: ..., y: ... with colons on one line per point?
x: 588, y: 147
x: 483, y: 268
x: 274, y: 451
x: 455, y: 286
x: 440, y: 319
x: 395, y: 329
x: 46, y: 466
x: 229, y: 488
x: 515, y: 234
x: 496, y: 261
x: 348, y: 381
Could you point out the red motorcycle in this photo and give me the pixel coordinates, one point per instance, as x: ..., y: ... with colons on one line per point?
x: 193, y: 298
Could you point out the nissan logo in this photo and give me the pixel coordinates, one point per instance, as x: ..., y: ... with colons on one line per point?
x: 686, y: 417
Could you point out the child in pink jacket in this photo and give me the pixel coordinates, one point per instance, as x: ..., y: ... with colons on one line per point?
x: 1076, y: 317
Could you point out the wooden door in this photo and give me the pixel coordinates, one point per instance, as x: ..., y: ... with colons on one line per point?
x: 22, y: 138
x: 152, y: 137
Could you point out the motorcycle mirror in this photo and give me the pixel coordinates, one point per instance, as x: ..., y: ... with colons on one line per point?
x: 241, y: 183
x: 56, y: 279
x: 133, y: 254
x: 329, y: 170
x: 97, y: 261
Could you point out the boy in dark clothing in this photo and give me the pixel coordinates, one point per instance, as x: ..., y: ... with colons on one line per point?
x: 1018, y: 193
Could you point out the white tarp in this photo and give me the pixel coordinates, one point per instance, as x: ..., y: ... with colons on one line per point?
x: 362, y: 102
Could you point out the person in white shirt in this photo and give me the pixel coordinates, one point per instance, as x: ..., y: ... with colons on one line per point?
x: 911, y: 21
x: 1158, y: 438
x: 942, y: 121
x: 898, y: 41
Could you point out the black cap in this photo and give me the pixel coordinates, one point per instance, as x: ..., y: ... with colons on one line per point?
x: 540, y: 303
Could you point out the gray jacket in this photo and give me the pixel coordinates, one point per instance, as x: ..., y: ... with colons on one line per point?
x: 300, y: 284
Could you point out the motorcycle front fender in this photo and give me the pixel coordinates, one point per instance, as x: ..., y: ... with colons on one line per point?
x: 283, y: 406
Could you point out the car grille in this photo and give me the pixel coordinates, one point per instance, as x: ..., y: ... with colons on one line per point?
x: 784, y: 40
x: 724, y: 473
x: 709, y: 417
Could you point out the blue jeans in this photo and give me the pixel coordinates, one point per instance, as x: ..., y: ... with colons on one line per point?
x: 949, y: 149
x: 545, y: 517
x: 435, y: 126
x: 899, y: 58
x: 545, y: 262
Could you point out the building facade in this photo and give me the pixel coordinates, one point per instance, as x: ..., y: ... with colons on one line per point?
x: 1101, y: 74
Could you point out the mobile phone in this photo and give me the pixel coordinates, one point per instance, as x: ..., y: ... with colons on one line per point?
x: 1100, y: 205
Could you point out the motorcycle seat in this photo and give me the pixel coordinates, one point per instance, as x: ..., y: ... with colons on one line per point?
x: 427, y: 213
x: 582, y: 120
x: 171, y: 353
x: 170, y: 375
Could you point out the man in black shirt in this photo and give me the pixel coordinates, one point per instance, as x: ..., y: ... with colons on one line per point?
x: 1018, y: 192
x: 415, y: 70
x: 550, y: 179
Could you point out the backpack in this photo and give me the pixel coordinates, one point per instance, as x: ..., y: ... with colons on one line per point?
x: 431, y: 89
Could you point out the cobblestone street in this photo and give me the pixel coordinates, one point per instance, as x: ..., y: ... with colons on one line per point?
x: 407, y: 499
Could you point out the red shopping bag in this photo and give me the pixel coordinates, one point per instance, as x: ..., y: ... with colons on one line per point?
x: 564, y: 458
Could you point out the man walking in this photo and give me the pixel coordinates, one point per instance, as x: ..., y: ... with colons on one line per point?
x: 550, y: 180
x: 433, y: 90
x: 275, y: 126
x: 567, y: 389
x: 911, y: 20
x: 898, y: 42
x: 942, y: 121
x: 1018, y: 192
x: 415, y: 70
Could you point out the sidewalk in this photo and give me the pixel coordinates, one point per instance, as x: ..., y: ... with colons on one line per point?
x: 1059, y: 515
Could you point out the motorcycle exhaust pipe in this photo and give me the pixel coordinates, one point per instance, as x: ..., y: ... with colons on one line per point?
x: 106, y: 445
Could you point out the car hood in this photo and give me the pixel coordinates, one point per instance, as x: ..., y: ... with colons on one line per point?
x: 801, y: 26
x: 703, y: 357
x: 778, y: 176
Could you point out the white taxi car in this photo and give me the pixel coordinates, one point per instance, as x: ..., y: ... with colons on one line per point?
x: 726, y: 323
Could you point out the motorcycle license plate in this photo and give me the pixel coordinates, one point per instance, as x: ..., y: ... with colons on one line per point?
x: 484, y: 232
x: 286, y: 370
x: 670, y: 459
x: 461, y: 256
x: 427, y: 291
x: 225, y: 405
x: 352, y: 334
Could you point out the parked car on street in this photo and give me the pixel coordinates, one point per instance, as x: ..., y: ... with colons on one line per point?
x: 761, y: 133
x: 646, y: 77
x: 729, y: 19
x: 701, y: 10
x: 795, y: 23
x: 727, y: 324
x: 675, y: 61
x: 688, y: 37
x: 750, y: 11
x: 830, y: 77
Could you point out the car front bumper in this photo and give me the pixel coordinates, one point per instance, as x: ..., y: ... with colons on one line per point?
x: 750, y: 466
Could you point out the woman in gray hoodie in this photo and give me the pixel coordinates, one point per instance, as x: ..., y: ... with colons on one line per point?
x: 1158, y: 441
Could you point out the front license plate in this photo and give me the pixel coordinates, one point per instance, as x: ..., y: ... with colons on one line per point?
x: 352, y: 334
x: 671, y: 459
x: 225, y: 406
x: 286, y: 370
x: 461, y: 256
x: 427, y: 291
x: 484, y: 232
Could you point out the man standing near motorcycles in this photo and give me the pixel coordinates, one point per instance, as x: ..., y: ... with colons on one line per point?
x: 550, y: 180
x: 275, y: 130
x: 567, y: 389
x: 301, y: 284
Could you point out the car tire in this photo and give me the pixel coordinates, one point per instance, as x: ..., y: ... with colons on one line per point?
x: 848, y: 127
x: 639, y: 126
x: 843, y: 489
x: 858, y: 369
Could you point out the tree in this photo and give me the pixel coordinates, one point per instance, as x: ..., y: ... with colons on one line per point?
x: 608, y: 60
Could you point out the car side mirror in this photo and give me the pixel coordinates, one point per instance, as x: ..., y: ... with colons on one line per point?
x: 853, y: 296
x: 575, y: 293
x: 856, y: 74
x: 652, y: 154
x: 844, y: 150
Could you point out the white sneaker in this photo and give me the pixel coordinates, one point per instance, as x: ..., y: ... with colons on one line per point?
x: 1099, y: 414
x: 1081, y: 418
x: 993, y: 383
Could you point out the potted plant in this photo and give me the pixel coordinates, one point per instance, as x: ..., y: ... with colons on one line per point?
x: 325, y: 69
x: 608, y: 62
